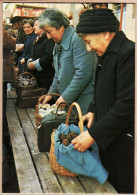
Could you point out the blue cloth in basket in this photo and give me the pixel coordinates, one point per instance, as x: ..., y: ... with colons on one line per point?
x: 83, y: 163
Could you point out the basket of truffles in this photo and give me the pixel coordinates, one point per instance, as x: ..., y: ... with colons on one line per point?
x: 25, y: 81
x: 61, y: 138
x: 27, y: 91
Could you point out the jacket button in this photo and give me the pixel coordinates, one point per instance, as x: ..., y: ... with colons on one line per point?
x: 59, y: 66
x: 93, y: 102
x: 57, y: 81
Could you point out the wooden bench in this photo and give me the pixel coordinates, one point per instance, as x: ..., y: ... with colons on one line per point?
x: 32, y: 167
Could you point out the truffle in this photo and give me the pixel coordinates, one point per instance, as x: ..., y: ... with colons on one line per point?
x: 71, y: 136
x: 61, y: 137
x: 65, y: 142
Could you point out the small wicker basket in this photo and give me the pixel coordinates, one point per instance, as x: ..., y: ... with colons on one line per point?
x: 57, y: 168
x: 38, y: 117
x: 20, y: 88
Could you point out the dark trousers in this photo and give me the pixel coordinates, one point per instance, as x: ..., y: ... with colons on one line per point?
x: 5, y: 165
x: 118, y: 159
x: 9, y: 178
x: 5, y: 132
x: 5, y: 139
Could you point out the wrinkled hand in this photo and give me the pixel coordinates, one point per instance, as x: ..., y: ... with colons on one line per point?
x: 60, y: 100
x: 83, y: 141
x: 31, y: 66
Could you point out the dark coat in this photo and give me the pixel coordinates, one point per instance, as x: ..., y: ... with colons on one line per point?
x: 28, y: 45
x: 43, y: 50
x: 20, y: 39
x: 114, y: 110
x: 9, y: 45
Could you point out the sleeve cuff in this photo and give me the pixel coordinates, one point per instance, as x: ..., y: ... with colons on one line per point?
x: 29, y: 60
x: 37, y: 65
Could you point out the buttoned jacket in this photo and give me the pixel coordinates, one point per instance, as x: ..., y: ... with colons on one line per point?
x: 114, y: 92
x: 42, y: 50
x: 74, y: 69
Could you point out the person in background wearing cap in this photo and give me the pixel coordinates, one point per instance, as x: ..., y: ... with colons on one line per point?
x: 17, y: 24
x: 20, y: 39
x: 110, y: 118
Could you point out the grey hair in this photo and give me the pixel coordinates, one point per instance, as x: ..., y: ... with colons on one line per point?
x: 54, y: 18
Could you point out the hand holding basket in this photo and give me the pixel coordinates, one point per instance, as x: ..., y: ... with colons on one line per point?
x: 53, y: 162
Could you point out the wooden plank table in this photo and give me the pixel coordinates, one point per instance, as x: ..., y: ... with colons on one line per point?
x: 32, y: 167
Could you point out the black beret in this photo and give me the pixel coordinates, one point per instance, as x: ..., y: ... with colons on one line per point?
x: 96, y: 21
x: 15, y: 19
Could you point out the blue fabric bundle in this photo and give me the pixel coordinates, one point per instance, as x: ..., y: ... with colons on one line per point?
x: 83, y: 163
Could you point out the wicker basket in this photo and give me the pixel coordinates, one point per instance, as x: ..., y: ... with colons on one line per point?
x: 38, y: 117
x: 58, y: 169
x: 19, y: 89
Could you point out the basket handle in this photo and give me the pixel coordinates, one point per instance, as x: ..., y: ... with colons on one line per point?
x: 79, y: 113
x: 25, y: 73
x: 43, y: 96
x: 56, y: 114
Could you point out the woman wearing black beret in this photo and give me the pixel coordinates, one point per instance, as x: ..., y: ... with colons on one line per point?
x: 110, y: 119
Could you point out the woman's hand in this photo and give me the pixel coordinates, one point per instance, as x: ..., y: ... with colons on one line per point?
x: 89, y: 118
x: 31, y: 66
x: 83, y: 141
x: 60, y: 100
x: 44, y: 99
x: 22, y: 61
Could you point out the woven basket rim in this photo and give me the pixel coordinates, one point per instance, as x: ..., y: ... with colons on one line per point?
x: 26, y: 86
x: 57, y: 168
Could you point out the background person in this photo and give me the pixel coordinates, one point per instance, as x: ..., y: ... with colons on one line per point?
x: 17, y: 24
x: 42, y: 58
x: 74, y: 66
x: 9, y: 45
x: 30, y: 37
x: 20, y: 38
x: 12, y: 33
x: 8, y: 167
x: 99, y: 5
x: 110, y: 119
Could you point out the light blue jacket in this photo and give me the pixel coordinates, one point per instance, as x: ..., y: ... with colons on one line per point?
x: 74, y: 70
